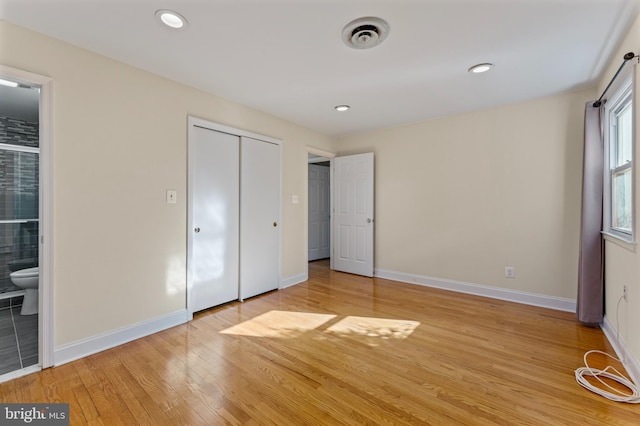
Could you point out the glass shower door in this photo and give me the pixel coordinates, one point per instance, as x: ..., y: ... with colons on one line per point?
x: 19, y: 204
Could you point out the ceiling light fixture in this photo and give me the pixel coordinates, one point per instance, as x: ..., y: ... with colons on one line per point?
x: 342, y: 108
x: 8, y: 83
x: 480, y: 68
x: 171, y: 19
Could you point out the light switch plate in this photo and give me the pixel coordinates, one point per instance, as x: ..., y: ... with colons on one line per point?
x: 172, y: 196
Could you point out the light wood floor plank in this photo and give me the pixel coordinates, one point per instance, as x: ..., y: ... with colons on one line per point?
x: 342, y: 349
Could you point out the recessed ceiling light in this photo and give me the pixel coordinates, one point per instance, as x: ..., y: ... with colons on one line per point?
x: 8, y: 83
x: 342, y: 108
x: 171, y: 19
x: 477, y: 69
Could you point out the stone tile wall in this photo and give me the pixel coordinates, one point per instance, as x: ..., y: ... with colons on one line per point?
x: 19, y: 198
x: 19, y: 132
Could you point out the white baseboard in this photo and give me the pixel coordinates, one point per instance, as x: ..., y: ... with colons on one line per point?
x: 630, y: 362
x: 296, y: 279
x: 552, y: 302
x: 94, y: 344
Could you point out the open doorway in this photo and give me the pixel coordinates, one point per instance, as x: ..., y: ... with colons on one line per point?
x: 25, y: 222
x: 19, y: 223
x: 319, y: 190
x: 319, y: 194
x: 350, y: 197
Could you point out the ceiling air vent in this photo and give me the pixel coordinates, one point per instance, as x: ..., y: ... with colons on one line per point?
x: 365, y: 33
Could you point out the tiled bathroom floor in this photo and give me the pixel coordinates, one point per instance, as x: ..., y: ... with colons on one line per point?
x: 18, y: 337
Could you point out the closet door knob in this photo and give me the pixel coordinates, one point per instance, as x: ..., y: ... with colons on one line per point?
x: 196, y: 230
x: 275, y: 224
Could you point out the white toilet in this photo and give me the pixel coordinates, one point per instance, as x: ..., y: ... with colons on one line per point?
x: 28, y: 280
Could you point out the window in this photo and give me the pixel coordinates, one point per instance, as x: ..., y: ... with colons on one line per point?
x: 619, y: 168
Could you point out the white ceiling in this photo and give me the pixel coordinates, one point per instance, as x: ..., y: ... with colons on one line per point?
x: 286, y: 57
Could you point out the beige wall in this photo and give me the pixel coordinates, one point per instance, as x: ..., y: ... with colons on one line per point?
x: 461, y: 197
x: 120, y: 142
x: 456, y: 198
x: 622, y: 265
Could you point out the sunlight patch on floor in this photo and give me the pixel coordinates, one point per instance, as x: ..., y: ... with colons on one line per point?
x: 287, y: 324
x: 373, y: 331
x: 279, y: 324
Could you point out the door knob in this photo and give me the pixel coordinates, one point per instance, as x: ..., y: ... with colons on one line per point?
x: 369, y: 220
x: 196, y: 230
x: 275, y: 224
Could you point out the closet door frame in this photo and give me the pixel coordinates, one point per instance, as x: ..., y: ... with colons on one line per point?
x: 199, y: 122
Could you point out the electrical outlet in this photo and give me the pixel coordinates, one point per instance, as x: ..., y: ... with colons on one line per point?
x: 509, y: 272
x: 625, y: 292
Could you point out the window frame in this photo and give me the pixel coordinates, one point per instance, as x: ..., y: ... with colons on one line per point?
x: 622, y: 95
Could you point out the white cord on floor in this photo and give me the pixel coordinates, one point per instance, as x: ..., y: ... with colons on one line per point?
x: 614, y: 394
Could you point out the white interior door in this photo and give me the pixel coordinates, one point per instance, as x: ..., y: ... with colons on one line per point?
x: 319, y: 230
x: 353, y: 214
x: 259, y: 217
x: 213, y: 218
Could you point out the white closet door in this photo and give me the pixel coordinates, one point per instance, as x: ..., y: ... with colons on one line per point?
x: 319, y: 216
x: 213, y: 218
x: 259, y: 217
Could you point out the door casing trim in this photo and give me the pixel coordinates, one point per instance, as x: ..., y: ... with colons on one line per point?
x: 46, y: 215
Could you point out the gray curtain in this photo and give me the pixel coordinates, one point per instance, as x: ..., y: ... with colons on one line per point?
x: 590, y: 303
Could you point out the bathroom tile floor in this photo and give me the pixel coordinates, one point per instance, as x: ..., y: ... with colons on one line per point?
x: 18, y: 336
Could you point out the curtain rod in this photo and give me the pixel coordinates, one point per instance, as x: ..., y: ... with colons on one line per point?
x: 627, y: 57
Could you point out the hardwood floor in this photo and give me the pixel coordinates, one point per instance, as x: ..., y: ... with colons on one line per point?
x: 341, y: 349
